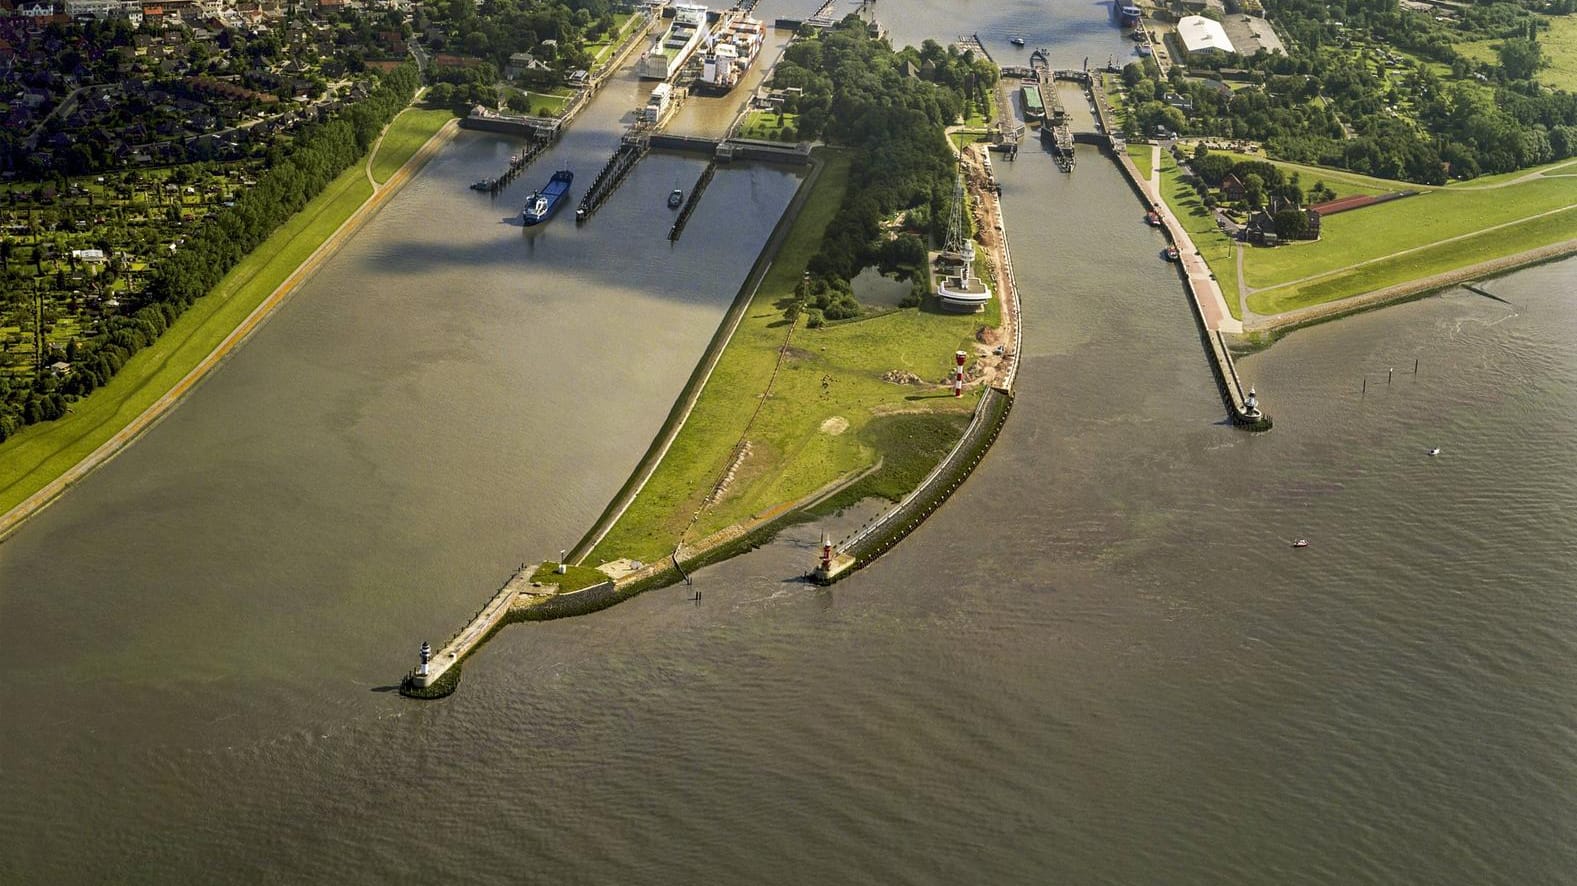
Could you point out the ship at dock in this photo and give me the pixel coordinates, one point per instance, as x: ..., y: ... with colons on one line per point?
x: 541, y: 205
x: 729, y: 54
x: 669, y: 53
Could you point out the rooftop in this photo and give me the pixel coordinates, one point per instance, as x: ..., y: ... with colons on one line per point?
x: 1200, y: 34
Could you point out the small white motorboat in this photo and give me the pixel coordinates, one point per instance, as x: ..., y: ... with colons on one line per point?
x: 1301, y: 543
x: 1435, y: 450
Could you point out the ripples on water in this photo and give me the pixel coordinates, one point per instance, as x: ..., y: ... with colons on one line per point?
x: 1100, y: 663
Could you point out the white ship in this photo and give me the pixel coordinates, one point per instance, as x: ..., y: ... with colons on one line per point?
x: 676, y: 45
x: 730, y: 54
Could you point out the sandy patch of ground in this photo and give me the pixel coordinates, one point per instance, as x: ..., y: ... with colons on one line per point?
x: 835, y: 425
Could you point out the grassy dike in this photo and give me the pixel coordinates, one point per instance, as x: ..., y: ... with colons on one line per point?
x: 407, y: 132
x: 43, y: 452
x: 830, y: 414
x: 1442, y: 229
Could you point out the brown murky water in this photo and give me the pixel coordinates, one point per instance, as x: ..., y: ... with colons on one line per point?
x: 1100, y: 662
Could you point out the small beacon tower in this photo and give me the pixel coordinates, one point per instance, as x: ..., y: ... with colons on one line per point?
x: 959, y: 357
x: 426, y: 655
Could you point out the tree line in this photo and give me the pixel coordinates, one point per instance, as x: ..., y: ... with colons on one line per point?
x: 891, y: 108
x: 295, y: 175
x: 1324, y: 102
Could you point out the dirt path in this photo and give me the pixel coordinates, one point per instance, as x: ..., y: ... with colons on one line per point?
x: 157, y: 410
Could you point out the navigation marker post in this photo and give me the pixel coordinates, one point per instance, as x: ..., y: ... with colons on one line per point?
x: 958, y: 372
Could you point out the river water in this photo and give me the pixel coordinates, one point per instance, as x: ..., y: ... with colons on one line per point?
x: 1100, y: 662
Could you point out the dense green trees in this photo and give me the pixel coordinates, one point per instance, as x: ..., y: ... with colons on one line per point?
x: 316, y: 157
x: 495, y: 29
x: 891, y: 107
x: 1330, y: 104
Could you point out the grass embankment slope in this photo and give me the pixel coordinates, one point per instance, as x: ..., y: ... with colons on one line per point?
x: 1379, y: 246
x: 1367, y: 249
x: 1216, y: 247
x: 1140, y: 155
x: 405, y: 135
x: 40, y: 453
x: 830, y: 413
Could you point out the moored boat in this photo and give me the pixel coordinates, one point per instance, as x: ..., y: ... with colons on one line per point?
x: 485, y: 184
x: 1016, y: 41
x: 669, y: 53
x: 541, y: 205
x: 729, y: 54
x: 675, y: 198
x: 1170, y: 253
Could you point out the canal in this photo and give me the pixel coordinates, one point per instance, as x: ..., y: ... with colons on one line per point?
x: 1100, y: 662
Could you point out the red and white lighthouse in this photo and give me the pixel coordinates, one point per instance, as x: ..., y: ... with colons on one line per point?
x: 958, y: 373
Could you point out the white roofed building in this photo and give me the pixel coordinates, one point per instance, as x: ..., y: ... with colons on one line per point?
x: 1197, y: 34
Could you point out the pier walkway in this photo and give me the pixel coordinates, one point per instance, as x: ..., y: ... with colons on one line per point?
x: 1210, y: 306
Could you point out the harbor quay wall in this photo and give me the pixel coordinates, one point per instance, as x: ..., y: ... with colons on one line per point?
x: 506, y: 126
x: 893, y: 525
x: 1233, y: 394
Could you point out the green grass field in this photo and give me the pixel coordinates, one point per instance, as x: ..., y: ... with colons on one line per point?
x: 764, y: 125
x: 601, y: 49
x: 1141, y: 156
x: 42, y: 452
x: 574, y: 578
x: 409, y: 131
x: 1344, y: 183
x: 1559, y: 43
x: 817, y: 425
x: 1378, y: 231
x: 1422, y: 263
x: 1217, y: 248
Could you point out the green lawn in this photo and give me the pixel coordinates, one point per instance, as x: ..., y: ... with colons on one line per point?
x: 1426, y: 262
x: 1215, y: 247
x: 764, y: 125
x: 42, y: 452
x: 548, y: 104
x: 1141, y: 154
x: 1559, y: 43
x: 574, y: 578
x: 817, y: 425
x: 1376, y: 231
x: 409, y: 131
x: 1344, y: 183
x: 963, y: 138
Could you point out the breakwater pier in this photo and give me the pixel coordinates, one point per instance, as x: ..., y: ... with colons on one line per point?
x: 1210, y: 307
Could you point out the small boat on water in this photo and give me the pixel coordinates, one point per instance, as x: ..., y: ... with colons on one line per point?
x: 541, y: 205
x: 1144, y: 49
x: 485, y: 184
x: 675, y: 198
x: 1152, y: 218
x: 1301, y: 543
x: 1170, y: 253
x: 1434, y: 450
x: 1016, y: 41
